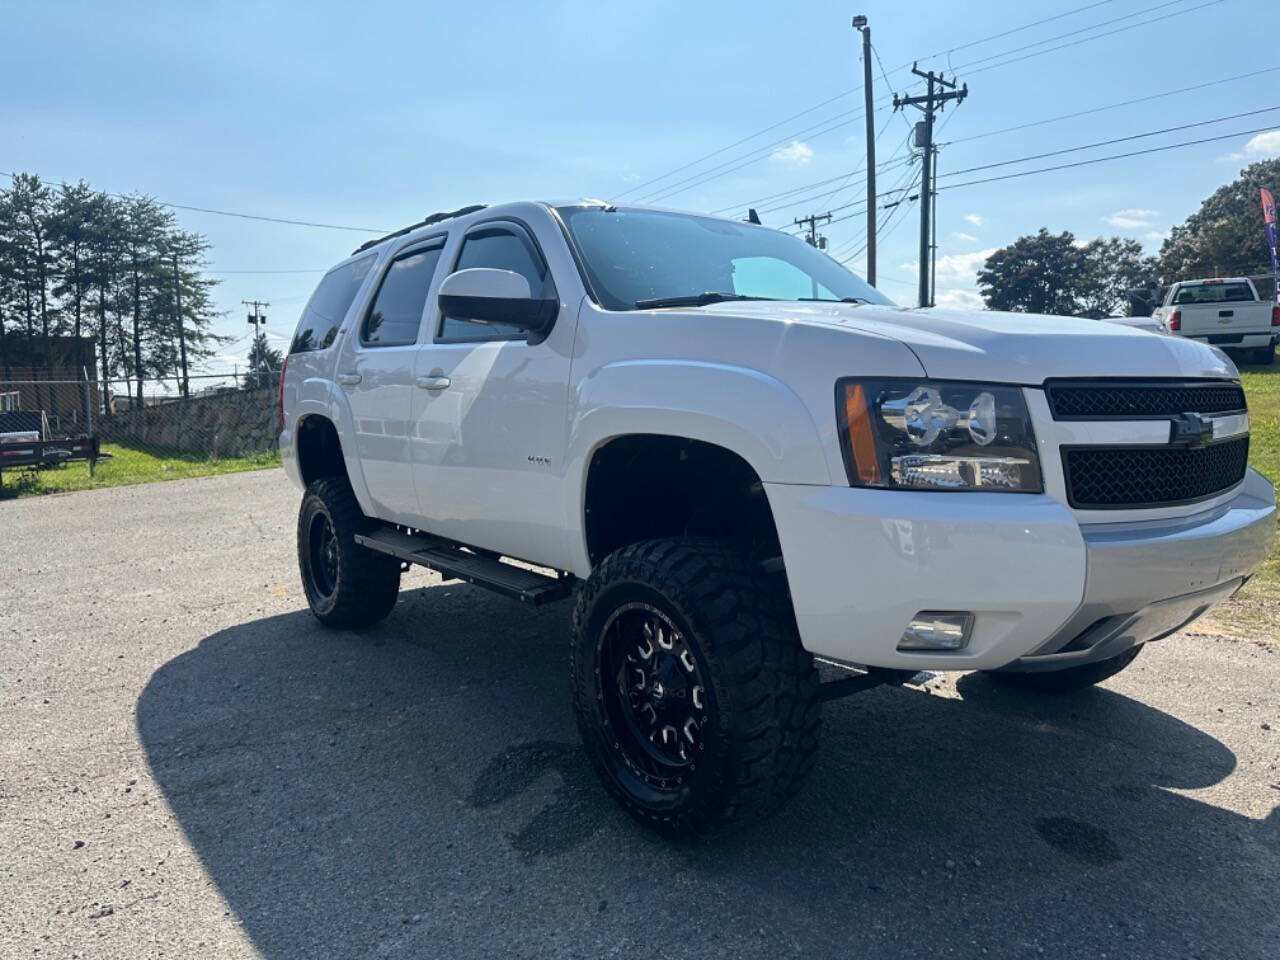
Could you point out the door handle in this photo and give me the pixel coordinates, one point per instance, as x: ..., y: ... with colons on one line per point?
x: 348, y: 379
x: 433, y: 382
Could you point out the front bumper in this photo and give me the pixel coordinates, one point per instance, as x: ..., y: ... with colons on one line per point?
x: 1046, y: 592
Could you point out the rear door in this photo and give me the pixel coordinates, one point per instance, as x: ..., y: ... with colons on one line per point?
x: 489, y: 428
x: 376, y: 369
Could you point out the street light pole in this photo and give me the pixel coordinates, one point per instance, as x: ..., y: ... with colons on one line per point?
x: 860, y: 24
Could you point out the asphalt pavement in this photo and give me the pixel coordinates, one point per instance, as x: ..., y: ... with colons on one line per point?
x: 191, y: 767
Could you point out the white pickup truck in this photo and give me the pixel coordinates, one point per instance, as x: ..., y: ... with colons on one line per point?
x: 1225, y: 312
x: 739, y: 458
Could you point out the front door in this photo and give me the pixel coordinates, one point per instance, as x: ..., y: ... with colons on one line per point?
x: 376, y: 368
x: 489, y: 412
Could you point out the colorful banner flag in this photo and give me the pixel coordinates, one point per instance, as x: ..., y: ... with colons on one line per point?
x: 1269, y: 216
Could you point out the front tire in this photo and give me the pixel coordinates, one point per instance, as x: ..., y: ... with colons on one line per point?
x: 1070, y: 679
x: 347, y: 585
x: 696, y: 702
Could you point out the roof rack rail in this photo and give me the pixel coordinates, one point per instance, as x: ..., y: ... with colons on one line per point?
x: 434, y: 218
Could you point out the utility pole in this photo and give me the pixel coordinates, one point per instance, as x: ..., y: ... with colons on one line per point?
x: 860, y: 24
x: 814, y: 239
x: 939, y: 92
x: 181, y: 321
x: 256, y: 316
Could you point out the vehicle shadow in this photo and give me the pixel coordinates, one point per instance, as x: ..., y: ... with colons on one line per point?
x: 418, y: 790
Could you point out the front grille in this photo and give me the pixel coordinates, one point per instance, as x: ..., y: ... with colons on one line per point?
x: 1117, y: 477
x: 1135, y: 401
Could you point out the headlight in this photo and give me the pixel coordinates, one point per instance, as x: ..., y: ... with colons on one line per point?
x: 935, y: 435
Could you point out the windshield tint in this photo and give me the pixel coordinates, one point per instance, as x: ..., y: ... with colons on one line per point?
x: 632, y: 255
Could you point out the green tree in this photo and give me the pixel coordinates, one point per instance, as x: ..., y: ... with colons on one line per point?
x: 70, y: 225
x: 146, y: 226
x: 1034, y: 274
x: 25, y: 222
x: 104, y: 266
x: 191, y: 296
x: 264, y: 363
x: 1113, y: 267
x: 1226, y: 235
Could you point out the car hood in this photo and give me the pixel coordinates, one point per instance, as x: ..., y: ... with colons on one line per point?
x: 1020, y: 348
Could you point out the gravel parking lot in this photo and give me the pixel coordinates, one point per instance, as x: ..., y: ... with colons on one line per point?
x: 191, y: 767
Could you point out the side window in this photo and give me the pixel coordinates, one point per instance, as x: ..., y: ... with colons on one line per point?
x: 503, y: 246
x: 396, y: 314
x: 328, y: 306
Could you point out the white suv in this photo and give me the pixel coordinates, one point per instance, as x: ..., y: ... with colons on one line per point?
x: 740, y: 457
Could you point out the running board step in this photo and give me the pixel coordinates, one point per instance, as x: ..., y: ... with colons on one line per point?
x: 454, y: 563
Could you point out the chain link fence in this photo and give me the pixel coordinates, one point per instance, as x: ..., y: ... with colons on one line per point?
x: 128, y: 431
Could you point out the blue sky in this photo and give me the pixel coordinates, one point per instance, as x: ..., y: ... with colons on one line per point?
x: 376, y: 115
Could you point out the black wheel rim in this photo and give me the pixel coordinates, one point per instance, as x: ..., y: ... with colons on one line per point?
x: 656, y: 700
x: 323, y: 555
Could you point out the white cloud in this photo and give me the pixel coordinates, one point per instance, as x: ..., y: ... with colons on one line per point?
x: 1259, y: 147
x: 962, y: 266
x: 1263, y: 145
x: 974, y: 219
x: 1155, y: 236
x: 954, y: 267
x: 1131, y: 218
x: 962, y: 299
x: 966, y: 237
x: 798, y: 153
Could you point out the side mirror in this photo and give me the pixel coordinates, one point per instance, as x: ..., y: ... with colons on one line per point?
x: 487, y: 295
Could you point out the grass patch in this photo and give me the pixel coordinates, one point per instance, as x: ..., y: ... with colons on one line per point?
x: 128, y: 465
x: 1254, y: 612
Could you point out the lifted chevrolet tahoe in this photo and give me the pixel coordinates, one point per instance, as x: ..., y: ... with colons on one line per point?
x: 738, y: 457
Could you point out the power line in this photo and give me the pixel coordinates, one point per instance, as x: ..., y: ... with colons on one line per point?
x: 729, y: 166
x: 736, y: 143
x: 227, y: 213
x: 892, y: 163
x: 1071, y: 33
x: 1012, y: 129
x: 1107, y: 143
x: 1099, y: 36
x: 719, y: 170
x: 1115, y: 156
x: 1114, y: 106
x: 1025, y: 26
x: 910, y: 175
x: 883, y: 165
x: 844, y: 93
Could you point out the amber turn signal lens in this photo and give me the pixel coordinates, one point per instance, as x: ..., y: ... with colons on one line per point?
x: 862, y: 443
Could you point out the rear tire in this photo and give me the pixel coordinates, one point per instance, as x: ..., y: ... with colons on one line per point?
x: 1070, y: 679
x: 347, y: 585
x: 1266, y: 356
x: 696, y: 702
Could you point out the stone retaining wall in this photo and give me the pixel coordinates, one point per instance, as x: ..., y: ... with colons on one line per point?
x: 230, y: 424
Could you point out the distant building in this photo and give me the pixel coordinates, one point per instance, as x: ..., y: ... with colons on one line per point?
x: 45, y: 374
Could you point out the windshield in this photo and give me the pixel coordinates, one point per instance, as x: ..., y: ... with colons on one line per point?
x: 634, y: 256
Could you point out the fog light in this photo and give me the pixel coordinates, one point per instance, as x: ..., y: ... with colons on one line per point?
x: 937, y: 630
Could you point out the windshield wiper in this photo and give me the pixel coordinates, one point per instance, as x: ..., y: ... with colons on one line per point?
x: 832, y: 300
x: 694, y: 300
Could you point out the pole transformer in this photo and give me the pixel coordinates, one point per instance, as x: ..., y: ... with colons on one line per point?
x: 939, y: 91
x: 860, y: 24
x: 256, y: 317
x: 810, y: 223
